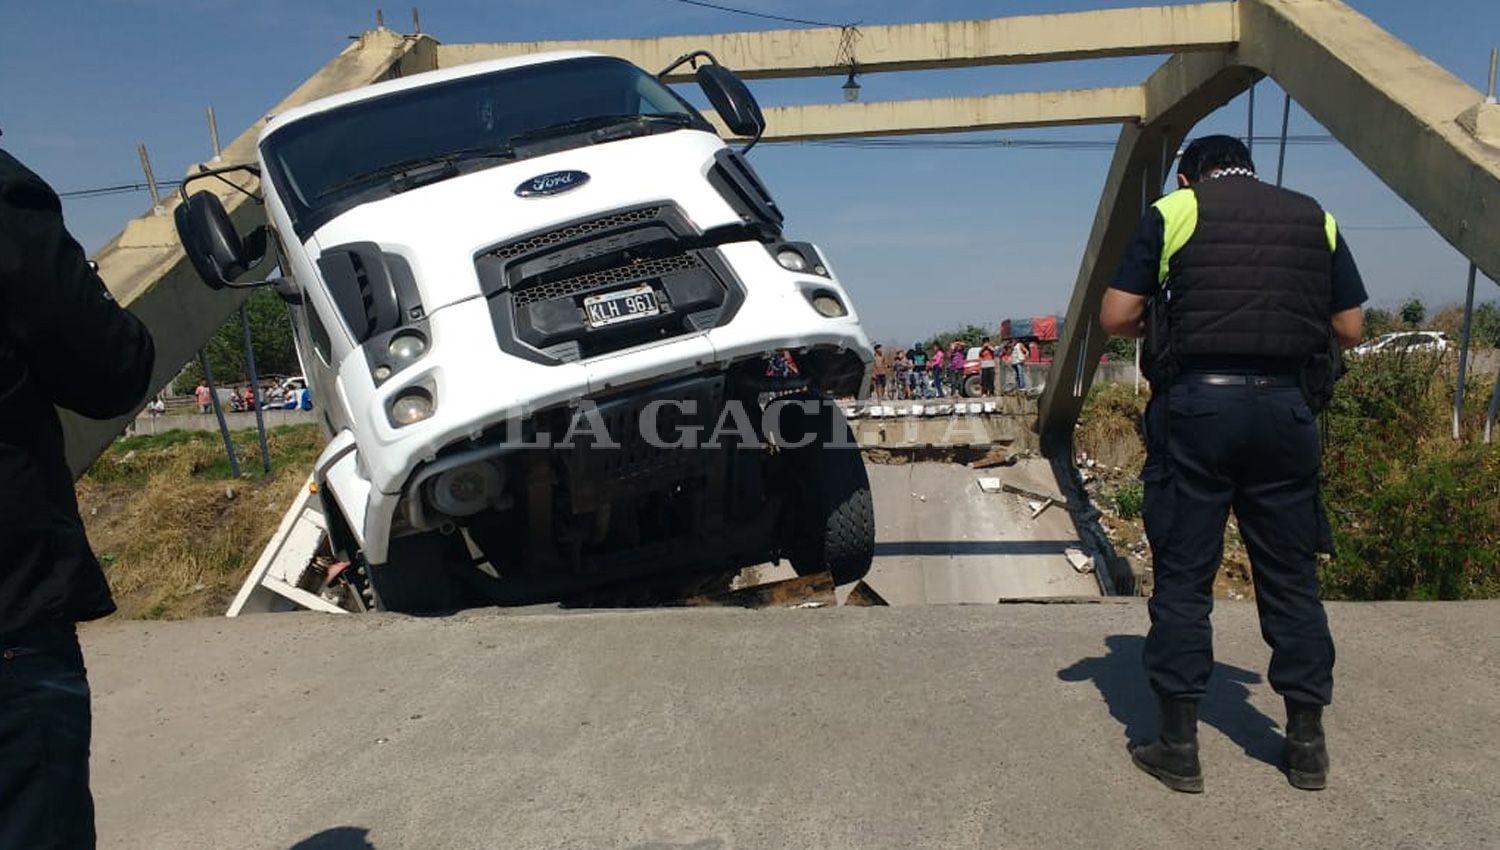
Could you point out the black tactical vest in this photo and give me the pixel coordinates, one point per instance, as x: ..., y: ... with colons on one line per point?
x: 1255, y: 280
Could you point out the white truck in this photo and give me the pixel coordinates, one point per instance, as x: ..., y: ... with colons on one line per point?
x: 526, y: 293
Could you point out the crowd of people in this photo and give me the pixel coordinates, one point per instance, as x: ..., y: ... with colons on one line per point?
x: 273, y: 396
x: 939, y: 371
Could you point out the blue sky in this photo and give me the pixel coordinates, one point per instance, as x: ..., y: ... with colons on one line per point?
x: 927, y: 239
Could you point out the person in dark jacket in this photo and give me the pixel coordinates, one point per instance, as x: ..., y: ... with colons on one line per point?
x: 1252, y: 293
x: 64, y: 342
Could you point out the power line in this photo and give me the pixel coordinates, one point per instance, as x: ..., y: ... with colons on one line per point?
x: 119, y: 189
x: 766, y: 15
x: 1010, y: 143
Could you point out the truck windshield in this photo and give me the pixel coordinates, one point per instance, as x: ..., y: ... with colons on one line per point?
x: 327, y: 163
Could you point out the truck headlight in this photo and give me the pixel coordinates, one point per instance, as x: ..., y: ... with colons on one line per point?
x: 791, y: 260
x: 411, y: 406
x: 798, y: 257
x: 827, y: 304
x: 407, y: 347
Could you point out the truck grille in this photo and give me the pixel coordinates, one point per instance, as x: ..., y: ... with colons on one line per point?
x: 577, y: 230
x: 536, y: 283
x: 584, y: 283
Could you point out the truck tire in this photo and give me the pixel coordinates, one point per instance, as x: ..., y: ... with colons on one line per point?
x: 973, y: 386
x: 834, y: 526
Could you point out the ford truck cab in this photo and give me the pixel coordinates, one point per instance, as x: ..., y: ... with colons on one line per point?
x: 525, y: 295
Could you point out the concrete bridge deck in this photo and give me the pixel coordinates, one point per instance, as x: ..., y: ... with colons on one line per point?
x: 936, y: 726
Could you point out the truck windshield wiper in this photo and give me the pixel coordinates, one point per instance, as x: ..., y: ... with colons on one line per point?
x: 598, y: 122
x: 401, y: 171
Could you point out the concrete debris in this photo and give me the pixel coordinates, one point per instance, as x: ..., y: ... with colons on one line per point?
x: 989, y: 485
x: 1046, y: 503
x: 1032, y: 494
x: 863, y: 595
x: 987, y: 463
x: 811, y: 591
x: 1081, y: 563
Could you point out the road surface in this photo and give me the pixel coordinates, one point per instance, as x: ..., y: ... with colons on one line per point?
x: 940, y: 539
x: 922, y: 726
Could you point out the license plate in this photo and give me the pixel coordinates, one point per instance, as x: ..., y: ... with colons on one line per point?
x: 621, y: 306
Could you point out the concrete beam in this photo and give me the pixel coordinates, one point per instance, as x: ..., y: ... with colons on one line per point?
x: 1179, y: 95
x: 146, y: 270
x: 912, y: 47
x: 1396, y: 110
x: 953, y: 114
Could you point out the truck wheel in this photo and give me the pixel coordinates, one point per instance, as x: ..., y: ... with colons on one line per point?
x: 973, y: 386
x: 834, y: 527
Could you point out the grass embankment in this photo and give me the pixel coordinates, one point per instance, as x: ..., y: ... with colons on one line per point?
x: 174, y: 531
x: 1416, y: 515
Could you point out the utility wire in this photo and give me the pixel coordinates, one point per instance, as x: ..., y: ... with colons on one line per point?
x: 1009, y: 143
x: 120, y: 189
x: 766, y: 15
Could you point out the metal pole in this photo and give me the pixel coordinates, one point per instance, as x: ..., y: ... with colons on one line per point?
x: 1250, y: 133
x: 213, y: 135
x: 156, y: 207
x: 1494, y: 70
x: 1137, y: 365
x: 1286, y: 117
x: 213, y: 395
x: 1463, y: 353
x: 1489, y: 421
x: 260, y: 418
x: 416, y: 21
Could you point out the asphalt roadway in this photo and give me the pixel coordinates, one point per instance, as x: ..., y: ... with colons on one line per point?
x: 928, y: 726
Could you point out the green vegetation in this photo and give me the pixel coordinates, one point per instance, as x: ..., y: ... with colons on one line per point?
x: 270, y: 333
x: 1129, y: 497
x: 1413, y: 312
x: 175, y: 533
x: 1416, y: 514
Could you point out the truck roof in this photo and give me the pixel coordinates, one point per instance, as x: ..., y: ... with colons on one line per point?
x: 425, y: 78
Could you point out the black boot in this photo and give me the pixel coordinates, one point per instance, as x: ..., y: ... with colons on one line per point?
x: 1174, y: 758
x: 1306, y: 750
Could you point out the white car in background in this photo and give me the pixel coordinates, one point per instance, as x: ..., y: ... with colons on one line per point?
x: 1427, y: 342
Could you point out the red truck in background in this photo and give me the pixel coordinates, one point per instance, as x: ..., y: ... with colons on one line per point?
x: 1039, y: 333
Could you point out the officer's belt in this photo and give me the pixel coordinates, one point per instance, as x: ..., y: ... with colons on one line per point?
x: 1217, y: 379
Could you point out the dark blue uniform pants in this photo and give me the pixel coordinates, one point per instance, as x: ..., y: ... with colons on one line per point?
x: 44, y: 741
x: 1254, y: 449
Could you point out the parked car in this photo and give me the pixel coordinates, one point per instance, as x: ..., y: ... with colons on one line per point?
x: 1423, y: 341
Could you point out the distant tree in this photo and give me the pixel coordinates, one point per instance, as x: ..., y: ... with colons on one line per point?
x: 971, y: 335
x: 1379, y: 321
x: 1413, y: 312
x: 1486, y: 328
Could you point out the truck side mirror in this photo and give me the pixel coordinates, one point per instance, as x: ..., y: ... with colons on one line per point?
x: 732, y: 99
x: 212, y: 245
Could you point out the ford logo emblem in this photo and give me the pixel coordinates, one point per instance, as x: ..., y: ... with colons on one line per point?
x: 552, y: 183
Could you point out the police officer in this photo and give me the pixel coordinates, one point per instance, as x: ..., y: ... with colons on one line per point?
x: 63, y: 343
x: 1246, y: 294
